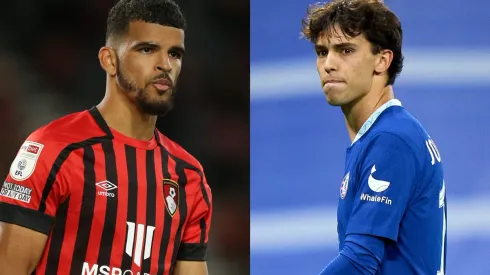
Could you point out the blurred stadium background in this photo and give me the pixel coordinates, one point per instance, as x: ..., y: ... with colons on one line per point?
x: 298, y: 141
x: 49, y: 68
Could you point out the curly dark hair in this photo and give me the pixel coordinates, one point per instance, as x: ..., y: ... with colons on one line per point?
x: 163, y: 12
x: 380, y: 26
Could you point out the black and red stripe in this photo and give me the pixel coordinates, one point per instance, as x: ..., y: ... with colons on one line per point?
x: 151, y: 182
x: 92, y: 229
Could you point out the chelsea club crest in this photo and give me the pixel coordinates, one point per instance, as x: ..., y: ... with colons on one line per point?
x: 344, y: 186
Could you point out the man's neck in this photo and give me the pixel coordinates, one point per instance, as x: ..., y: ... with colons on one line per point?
x: 359, y: 111
x: 124, y: 116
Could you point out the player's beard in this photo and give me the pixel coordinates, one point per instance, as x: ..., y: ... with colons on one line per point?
x: 143, y: 100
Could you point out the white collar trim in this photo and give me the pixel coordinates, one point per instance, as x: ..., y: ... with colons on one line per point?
x: 370, y: 121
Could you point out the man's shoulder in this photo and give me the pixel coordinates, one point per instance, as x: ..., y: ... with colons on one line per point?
x: 177, y: 151
x: 44, y: 146
x: 398, y: 133
x: 401, y: 126
x: 69, y: 129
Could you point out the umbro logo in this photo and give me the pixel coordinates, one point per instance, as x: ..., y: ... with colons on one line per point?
x: 106, y: 186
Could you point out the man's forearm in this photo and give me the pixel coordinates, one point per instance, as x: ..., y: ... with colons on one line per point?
x: 361, y: 255
x: 341, y: 265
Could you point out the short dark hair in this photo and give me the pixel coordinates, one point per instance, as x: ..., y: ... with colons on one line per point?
x: 163, y: 12
x: 376, y: 21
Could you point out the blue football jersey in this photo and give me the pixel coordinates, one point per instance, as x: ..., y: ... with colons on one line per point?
x: 393, y: 187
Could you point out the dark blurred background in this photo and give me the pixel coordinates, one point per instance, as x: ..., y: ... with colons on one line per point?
x: 49, y: 68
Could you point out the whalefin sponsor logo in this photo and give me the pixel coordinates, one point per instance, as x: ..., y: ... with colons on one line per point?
x: 377, y: 199
x: 375, y: 184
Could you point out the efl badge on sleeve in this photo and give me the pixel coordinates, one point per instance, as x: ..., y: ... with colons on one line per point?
x: 344, y: 186
x: 171, y: 195
x: 25, y: 162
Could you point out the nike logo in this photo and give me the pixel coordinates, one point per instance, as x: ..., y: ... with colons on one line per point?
x: 377, y: 185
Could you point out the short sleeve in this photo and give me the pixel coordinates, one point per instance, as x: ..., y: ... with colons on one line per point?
x: 195, y: 236
x: 31, y: 193
x: 388, y: 173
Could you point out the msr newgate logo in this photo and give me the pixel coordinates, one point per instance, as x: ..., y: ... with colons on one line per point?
x: 106, y: 186
x: 139, y: 250
x: 16, y: 192
x: 95, y: 269
x: 382, y: 199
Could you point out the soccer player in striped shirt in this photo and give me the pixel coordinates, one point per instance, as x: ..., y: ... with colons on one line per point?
x: 102, y: 191
x: 392, y: 204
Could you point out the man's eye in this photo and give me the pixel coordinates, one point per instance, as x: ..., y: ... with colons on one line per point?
x: 146, y: 50
x: 176, y: 55
x: 322, y: 53
x: 347, y: 51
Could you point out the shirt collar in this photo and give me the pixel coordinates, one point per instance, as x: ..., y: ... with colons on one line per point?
x: 370, y: 121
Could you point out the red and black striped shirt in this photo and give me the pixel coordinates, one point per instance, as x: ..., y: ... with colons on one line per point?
x: 109, y: 204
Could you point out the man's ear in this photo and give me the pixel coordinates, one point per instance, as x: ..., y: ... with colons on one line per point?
x: 383, y: 61
x: 108, y: 60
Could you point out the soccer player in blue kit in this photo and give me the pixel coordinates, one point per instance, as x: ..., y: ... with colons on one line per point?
x: 392, y: 203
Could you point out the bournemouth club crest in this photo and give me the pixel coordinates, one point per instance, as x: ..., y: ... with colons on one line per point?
x: 344, y: 186
x: 171, y: 195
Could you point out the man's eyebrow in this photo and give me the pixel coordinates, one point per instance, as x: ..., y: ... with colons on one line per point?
x: 142, y: 44
x: 179, y: 49
x: 320, y: 47
x: 344, y: 45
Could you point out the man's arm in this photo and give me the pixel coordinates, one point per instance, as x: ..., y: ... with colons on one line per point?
x: 26, y: 212
x: 20, y: 249
x: 389, y: 172
x: 361, y: 255
x: 189, y: 267
x: 341, y: 265
x: 191, y: 258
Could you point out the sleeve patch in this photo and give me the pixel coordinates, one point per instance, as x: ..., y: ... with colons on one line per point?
x: 25, y: 162
x: 16, y: 192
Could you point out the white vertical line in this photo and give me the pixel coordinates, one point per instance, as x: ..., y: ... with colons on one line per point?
x: 139, y: 244
x: 148, y: 242
x: 130, y: 239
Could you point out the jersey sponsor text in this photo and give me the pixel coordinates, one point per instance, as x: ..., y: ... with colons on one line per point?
x: 95, y: 269
x: 381, y: 199
x: 16, y: 192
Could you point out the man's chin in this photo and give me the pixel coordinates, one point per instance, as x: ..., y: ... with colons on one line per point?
x: 334, y: 101
x: 336, y: 97
x: 155, y: 109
